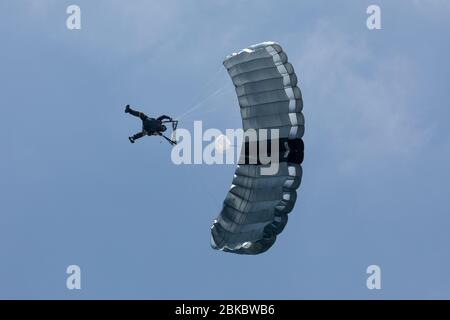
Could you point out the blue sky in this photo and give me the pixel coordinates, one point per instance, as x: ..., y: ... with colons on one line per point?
x: 73, y: 190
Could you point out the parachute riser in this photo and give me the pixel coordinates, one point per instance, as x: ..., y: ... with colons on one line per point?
x: 173, y: 139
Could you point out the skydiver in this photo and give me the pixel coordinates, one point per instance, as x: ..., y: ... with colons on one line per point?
x: 150, y: 126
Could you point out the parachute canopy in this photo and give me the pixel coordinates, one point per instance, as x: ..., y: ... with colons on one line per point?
x: 255, y: 209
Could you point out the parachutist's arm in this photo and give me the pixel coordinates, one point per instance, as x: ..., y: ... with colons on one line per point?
x: 164, y: 117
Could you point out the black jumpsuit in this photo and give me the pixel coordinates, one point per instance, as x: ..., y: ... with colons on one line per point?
x: 150, y: 126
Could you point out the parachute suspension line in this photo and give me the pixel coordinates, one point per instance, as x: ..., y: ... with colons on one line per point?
x: 173, y: 139
x: 218, y: 106
x: 201, y: 103
x: 219, y: 73
x: 174, y: 130
x: 200, y: 100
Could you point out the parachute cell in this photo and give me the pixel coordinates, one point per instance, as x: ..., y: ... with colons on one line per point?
x: 255, y: 209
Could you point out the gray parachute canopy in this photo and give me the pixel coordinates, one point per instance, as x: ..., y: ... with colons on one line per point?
x: 255, y: 209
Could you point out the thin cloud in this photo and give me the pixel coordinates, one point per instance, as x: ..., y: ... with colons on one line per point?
x: 364, y: 103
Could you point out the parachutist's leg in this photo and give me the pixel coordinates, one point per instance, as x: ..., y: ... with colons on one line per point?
x: 137, y: 136
x: 143, y: 116
x: 135, y: 113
